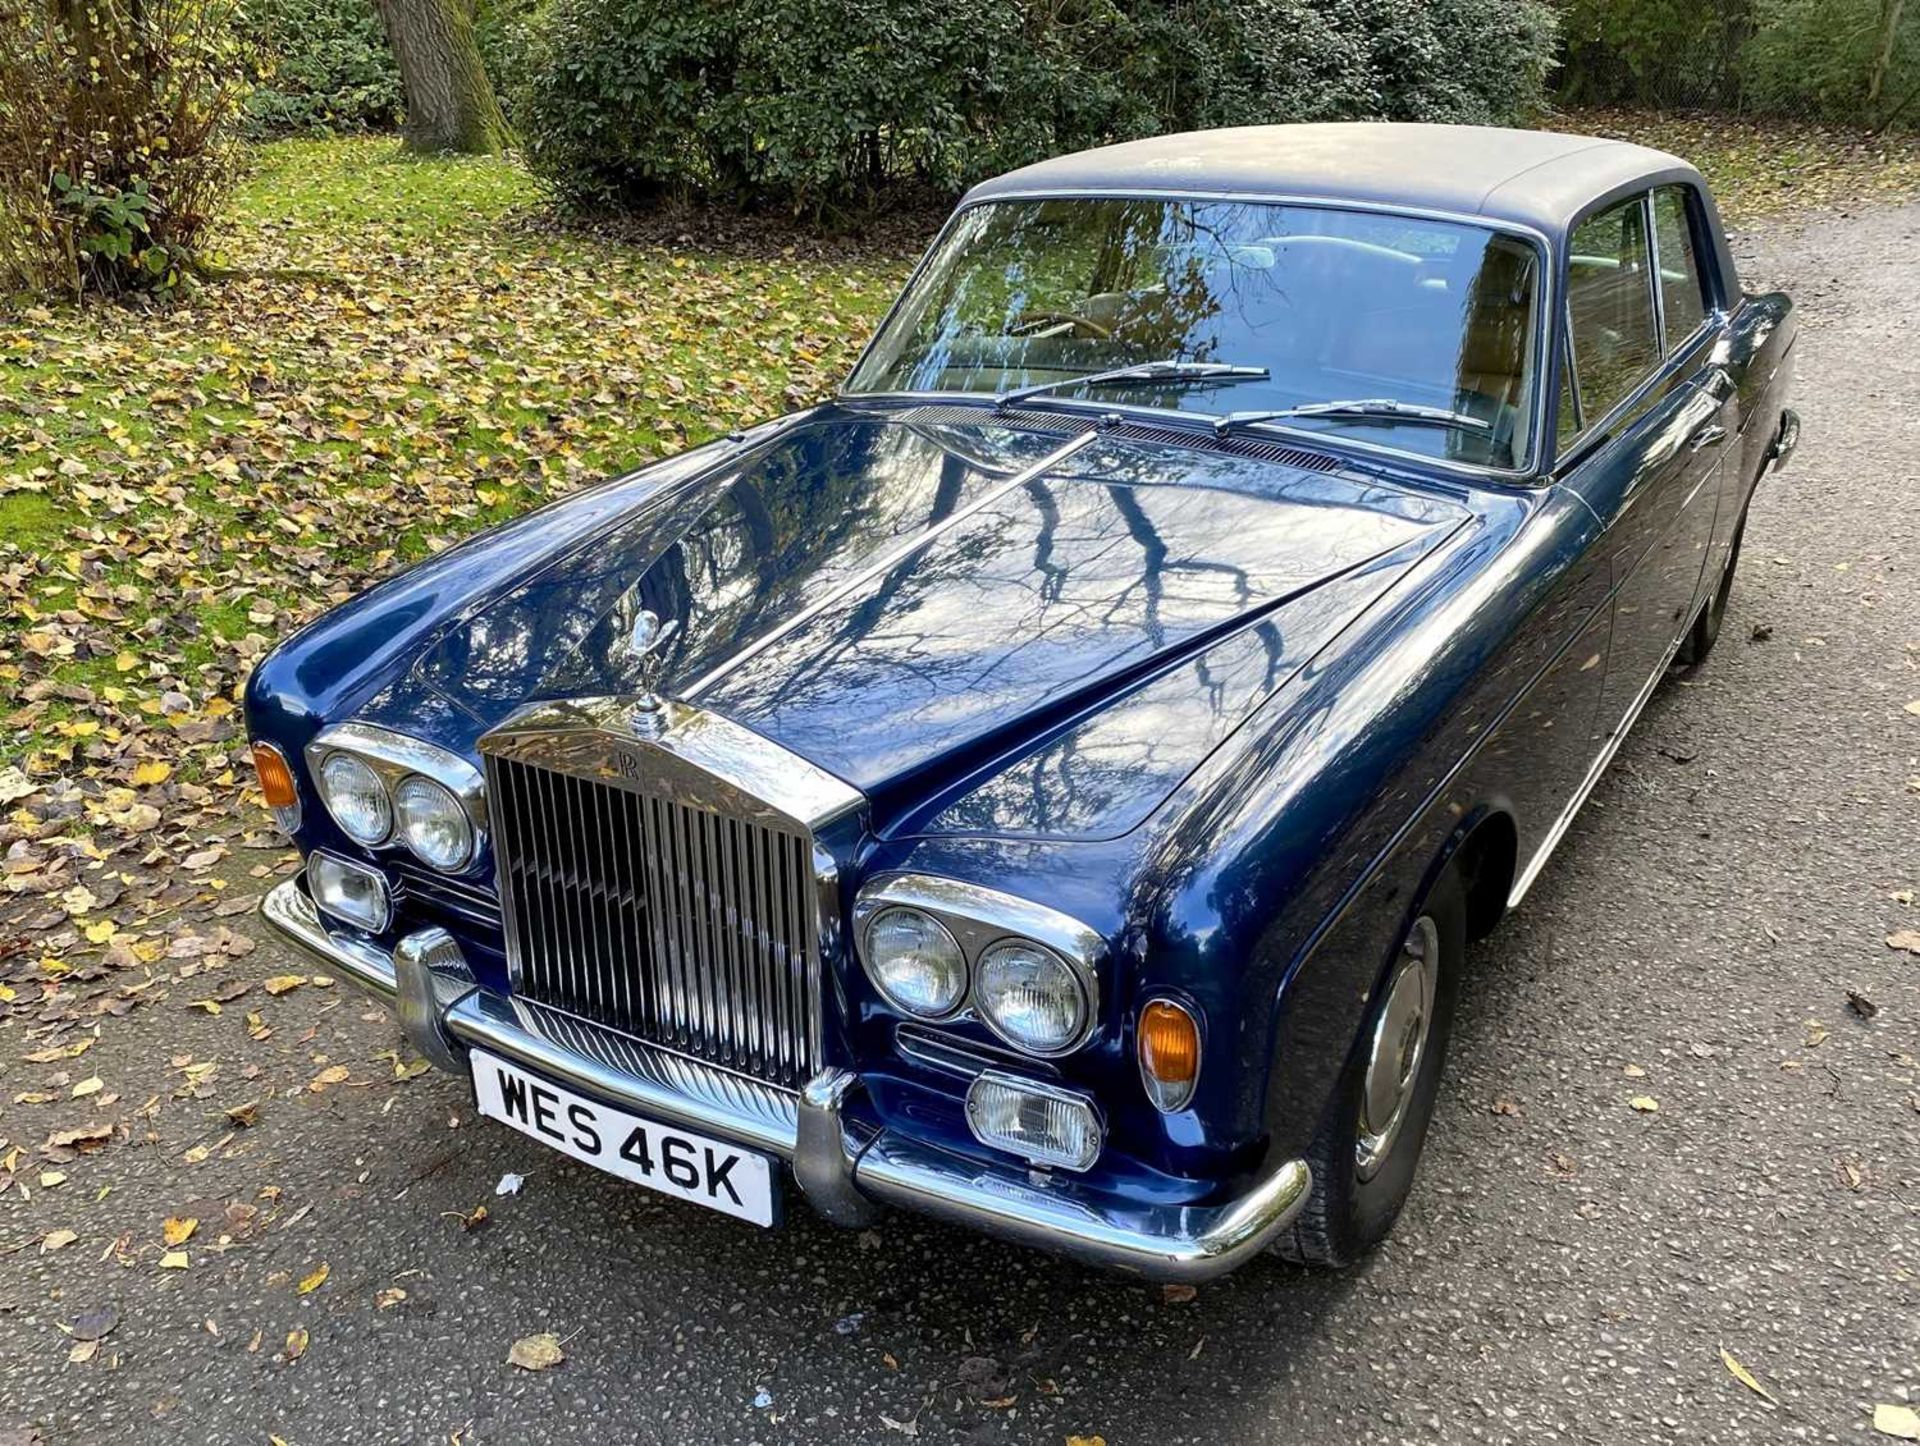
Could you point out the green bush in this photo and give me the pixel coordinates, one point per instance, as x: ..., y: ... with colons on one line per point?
x: 1821, y: 59
x: 827, y: 105
x: 508, y: 33
x: 119, y: 129
x: 328, y: 68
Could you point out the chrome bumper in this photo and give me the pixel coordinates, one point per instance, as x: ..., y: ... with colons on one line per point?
x: 842, y: 1167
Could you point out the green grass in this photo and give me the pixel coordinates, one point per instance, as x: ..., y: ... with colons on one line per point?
x: 403, y: 352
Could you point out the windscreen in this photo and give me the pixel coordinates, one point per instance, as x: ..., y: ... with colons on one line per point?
x: 1337, y: 306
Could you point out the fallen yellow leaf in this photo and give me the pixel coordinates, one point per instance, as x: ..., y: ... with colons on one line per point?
x: 177, y: 1231
x: 154, y: 770
x: 313, y: 1281
x: 1646, y: 1104
x: 281, y: 983
x: 537, y: 1352
x: 296, y: 1343
x: 333, y: 1074
x: 1744, y: 1376
x: 1898, y: 1421
x: 174, y: 1260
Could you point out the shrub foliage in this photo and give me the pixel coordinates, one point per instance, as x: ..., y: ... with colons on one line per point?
x: 326, y: 68
x: 821, y: 105
x: 118, y: 137
x: 1852, y: 61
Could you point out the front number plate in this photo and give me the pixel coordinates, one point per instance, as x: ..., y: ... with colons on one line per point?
x: 666, y: 1158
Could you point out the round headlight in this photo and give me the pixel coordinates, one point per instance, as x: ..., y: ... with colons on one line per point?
x: 356, y: 798
x: 915, y: 962
x: 1030, y: 997
x: 433, y: 823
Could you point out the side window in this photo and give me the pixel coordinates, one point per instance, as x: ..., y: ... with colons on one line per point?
x: 1568, y: 426
x: 1681, y: 291
x: 1610, y: 298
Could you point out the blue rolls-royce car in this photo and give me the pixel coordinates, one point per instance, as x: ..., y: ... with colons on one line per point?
x: 1054, y: 783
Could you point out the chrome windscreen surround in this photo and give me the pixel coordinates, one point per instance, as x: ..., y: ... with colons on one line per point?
x: 662, y: 876
x: 979, y: 918
x: 393, y: 756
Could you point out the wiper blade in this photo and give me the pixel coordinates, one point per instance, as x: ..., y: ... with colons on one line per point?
x: 1142, y: 372
x: 1360, y: 407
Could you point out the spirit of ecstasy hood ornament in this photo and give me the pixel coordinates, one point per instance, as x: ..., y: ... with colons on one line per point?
x: 642, y: 645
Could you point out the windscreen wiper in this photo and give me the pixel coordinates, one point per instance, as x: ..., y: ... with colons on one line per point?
x: 1361, y: 407
x: 1142, y: 372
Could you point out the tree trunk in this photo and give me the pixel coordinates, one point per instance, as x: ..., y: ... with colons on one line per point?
x: 450, y: 101
x: 1883, y: 58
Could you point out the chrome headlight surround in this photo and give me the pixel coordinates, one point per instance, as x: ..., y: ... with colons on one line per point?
x: 979, y: 919
x: 396, y: 757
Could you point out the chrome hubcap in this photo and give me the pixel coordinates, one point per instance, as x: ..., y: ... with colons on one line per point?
x: 1398, y: 1047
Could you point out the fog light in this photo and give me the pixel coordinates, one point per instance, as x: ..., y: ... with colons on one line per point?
x: 1039, y: 1123
x: 1169, y: 1054
x: 350, y: 892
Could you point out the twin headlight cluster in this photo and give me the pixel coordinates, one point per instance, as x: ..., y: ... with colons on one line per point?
x: 1024, y: 992
x: 416, y: 811
x: 384, y: 790
x: 938, y: 950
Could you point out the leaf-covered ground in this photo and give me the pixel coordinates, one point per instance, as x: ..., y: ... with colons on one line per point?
x: 405, y: 357
x: 1761, y: 168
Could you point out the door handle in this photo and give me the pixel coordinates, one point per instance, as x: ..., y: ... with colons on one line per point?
x: 1710, y: 435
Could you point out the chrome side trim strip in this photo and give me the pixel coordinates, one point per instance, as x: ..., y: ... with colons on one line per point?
x: 887, y: 560
x: 1587, y: 784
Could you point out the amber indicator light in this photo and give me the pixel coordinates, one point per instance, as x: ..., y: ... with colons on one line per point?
x: 276, y: 779
x: 1169, y: 1043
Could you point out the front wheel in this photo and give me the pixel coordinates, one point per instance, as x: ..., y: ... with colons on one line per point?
x: 1364, y: 1157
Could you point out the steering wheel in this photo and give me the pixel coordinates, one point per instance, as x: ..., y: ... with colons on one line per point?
x: 1031, y: 321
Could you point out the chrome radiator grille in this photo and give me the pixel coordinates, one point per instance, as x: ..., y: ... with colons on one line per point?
x: 694, y: 929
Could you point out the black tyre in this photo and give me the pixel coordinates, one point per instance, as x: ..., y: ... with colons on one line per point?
x: 1705, y: 631
x: 1364, y: 1157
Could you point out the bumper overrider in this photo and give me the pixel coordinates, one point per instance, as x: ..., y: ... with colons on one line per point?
x: 843, y: 1167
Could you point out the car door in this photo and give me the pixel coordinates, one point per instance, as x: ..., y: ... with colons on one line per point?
x: 1693, y: 324
x: 1640, y: 449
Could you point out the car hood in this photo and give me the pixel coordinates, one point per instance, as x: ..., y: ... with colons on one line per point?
x: 949, y: 612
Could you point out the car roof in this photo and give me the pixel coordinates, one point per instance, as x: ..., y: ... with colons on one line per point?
x: 1541, y: 179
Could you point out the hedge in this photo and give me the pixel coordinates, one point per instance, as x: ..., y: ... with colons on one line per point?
x: 828, y: 105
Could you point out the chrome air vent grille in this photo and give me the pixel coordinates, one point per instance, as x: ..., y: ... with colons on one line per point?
x: 695, y: 929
